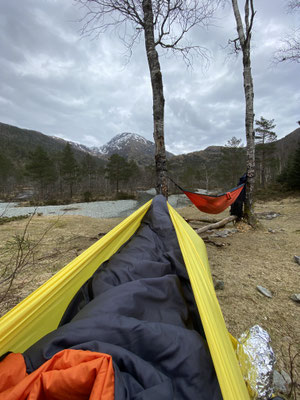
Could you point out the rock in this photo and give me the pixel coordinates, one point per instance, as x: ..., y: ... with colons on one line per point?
x: 264, y: 291
x: 224, y: 233
x: 273, y: 215
x: 271, y: 230
x: 219, y: 285
x: 267, y: 215
x: 297, y: 259
x: 279, y: 383
x: 287, y: 379
x: 296, y: 297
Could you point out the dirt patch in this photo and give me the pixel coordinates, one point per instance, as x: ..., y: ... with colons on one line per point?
x: 262, y: 257
x: 245, y: 259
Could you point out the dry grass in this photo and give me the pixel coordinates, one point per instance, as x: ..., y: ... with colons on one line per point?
x: 247, y: 259
x: 66, y: 238
x: 260, y: 257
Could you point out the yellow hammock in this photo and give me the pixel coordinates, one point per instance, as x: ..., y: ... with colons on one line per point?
x: 42, y: 310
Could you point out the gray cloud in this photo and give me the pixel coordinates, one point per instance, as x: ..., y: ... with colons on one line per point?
x: 83, y: 90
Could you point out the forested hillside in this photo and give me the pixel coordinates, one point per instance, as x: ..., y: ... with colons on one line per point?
x: 49, y: 169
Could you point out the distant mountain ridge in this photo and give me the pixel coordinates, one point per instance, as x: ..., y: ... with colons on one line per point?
x: 123, y: 141
x: 18, y: 142
x: 131, y: 146
x: 287, y: 145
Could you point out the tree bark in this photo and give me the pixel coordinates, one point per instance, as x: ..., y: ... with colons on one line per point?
x: 249, y: 120
x: 244, y: 40
x: 158, y: 100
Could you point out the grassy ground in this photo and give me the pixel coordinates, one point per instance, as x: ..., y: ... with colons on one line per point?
x: 243, y: 260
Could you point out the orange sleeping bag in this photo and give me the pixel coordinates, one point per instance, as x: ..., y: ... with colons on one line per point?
x: 68, y: 375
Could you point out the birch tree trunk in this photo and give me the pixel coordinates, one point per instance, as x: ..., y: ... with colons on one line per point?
x: 164, y: 23
x: 244, y: 37
x: 158, y: 100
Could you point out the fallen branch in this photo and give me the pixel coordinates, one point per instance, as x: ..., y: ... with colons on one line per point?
x: 217, y: 224
x: 209, y: 220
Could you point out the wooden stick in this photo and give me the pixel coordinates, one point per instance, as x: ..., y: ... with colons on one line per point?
x: 208, y: 220
x: 217, y: 224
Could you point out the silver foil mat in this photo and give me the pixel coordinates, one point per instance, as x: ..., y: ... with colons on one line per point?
x: 257, y: 361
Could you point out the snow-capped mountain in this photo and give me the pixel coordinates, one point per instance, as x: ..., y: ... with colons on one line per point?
x: 75, y: 145
x: 130, y: 146
x: 123, y: 141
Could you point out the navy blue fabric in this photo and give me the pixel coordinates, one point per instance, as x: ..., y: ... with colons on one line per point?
x: 139, y: 308
x: 237, y: 207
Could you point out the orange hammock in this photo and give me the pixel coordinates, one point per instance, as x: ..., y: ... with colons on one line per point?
x: 213, y: 204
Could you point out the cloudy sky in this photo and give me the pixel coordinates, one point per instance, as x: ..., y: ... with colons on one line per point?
x: 85, y: 90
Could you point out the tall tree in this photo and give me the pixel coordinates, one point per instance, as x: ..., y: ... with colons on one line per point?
x: 69, y: 167
x: 294, y: 172
x: 134, y: 173
x: 289, y: 49
x: 118, y: 170
x: 264, y: 137
x: 6, y: 171
x: 164, y: 23
x: 290, y: 176
x: 40, y: 168
x: 233, y: 162
x: 243, y: 43
x: 206, y: 176
x: 88, y: 169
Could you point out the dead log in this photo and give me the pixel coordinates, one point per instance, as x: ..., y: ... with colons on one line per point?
x: 217, y: 224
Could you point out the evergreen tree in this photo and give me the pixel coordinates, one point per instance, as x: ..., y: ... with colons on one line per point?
x: 187, y: 176
x: 89, y: 169
x: 117, y: 170
x: 293, y: 177
x: 149, y: 175
x: 6, y: 170
x: 265, y: 138
x: 133, y: 172
x: 40, y: 169
x: 69, y: 167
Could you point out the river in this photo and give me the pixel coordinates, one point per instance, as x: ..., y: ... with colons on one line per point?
x: 96, y: 209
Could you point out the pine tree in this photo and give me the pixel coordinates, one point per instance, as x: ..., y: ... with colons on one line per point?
x: 293, y: 177
x: 265, y: 138
x: 117, y: 170
x: 6, y: 168
x: 69, y: 167
x: 89, y: 169
x: 40, y: 169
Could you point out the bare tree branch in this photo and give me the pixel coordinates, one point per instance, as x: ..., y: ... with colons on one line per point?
x: 293, y: 5
x: 165, y: 23
x: 289, y: 49
x: 249, y: 25
x: 22, y: 255
x: 172, y: 20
